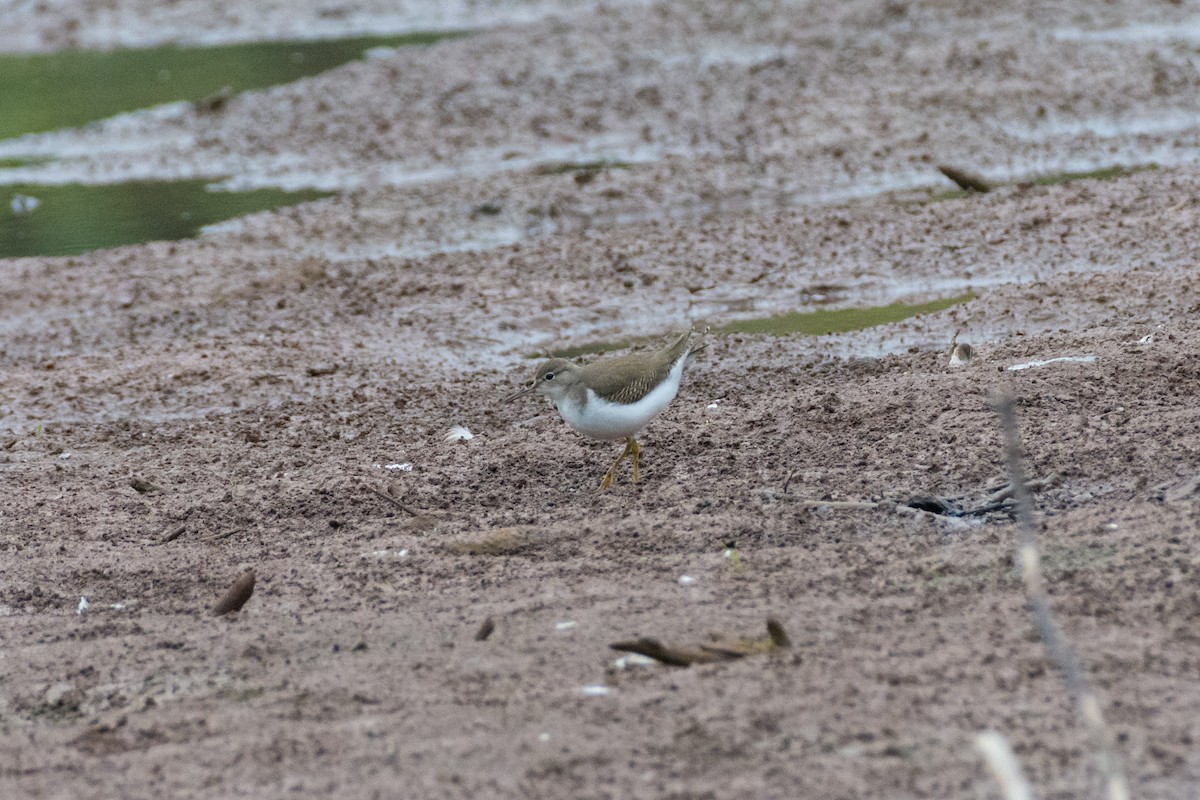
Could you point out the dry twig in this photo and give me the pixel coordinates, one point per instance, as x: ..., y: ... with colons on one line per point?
x: 172, y: 534
x: 1028, y: 561
x: 1004, y: 765
x: 672, y: 656
x: 216, y: 537
x: 1007, y: 491
x: 850, y: 505
x: 407, y: 509
x: 721, y: 648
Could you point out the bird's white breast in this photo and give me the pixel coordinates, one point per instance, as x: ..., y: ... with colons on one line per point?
x: 604, y: 419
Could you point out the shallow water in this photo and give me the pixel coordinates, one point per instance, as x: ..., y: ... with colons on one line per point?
x: 69, y: 88
x: 74, y: 218
x: 46, y: 91
x: 1186, y: 31
x: 809, y: 323
x: 826, y: 321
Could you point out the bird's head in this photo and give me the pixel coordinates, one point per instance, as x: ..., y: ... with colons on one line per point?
x: 554, y: 379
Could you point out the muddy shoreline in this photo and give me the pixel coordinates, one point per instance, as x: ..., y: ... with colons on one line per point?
x: 174, y: 414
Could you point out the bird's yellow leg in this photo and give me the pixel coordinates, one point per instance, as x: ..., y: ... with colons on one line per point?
x: 611, y: 475
x: 637, y: 452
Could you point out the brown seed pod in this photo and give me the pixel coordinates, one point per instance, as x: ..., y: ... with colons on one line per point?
x: 778, y: 635
x: 237, y: 595
x: 485, y: 630
x: 964, y: 179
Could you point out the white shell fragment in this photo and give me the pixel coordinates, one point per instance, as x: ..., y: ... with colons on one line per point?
x: 1042, y: 363
x: 564, y: 626
x: 458, y: 433
x: 633, y: 660
x: 405, y: 467
x: 686, y: 580
x: 83, y: 606
x: 596, y: 690
x: 386, y: 554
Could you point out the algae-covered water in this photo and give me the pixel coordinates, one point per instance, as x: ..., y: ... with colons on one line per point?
x: 74, y: 218
x: 808, y: 323
x: 46, y: 91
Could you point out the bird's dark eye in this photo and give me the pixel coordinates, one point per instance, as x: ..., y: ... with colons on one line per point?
x: 549, y: 376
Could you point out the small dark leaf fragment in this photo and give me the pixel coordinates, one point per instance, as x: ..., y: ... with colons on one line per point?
x: 934, y: 505
x: 964, y: 179
x: 673, y: 656
x: 214, y: 102
x: 172, y: 534
x: 237, y: 595
x: 143, y: 486
x: 778, y: 635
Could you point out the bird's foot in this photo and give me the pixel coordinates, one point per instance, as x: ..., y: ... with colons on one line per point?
x: 611, y: 475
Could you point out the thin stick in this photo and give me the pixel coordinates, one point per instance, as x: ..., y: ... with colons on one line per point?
x: 1004, y: 765
x: 846, y: 504
x: 673, y: 656
x: 1036, y: 485
x: 406, y: 509
x: 216, y: 537
x: 172, y: 534
x: 788, y: 480
x: 986, y: 509
x: 1028, y: 561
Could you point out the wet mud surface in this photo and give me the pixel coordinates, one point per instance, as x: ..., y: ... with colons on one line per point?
x: 175, y: 414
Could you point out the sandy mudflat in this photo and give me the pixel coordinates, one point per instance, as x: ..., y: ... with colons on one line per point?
x: 265, y: 376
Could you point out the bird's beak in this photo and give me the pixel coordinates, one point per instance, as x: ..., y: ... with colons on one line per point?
x: 527, y: 390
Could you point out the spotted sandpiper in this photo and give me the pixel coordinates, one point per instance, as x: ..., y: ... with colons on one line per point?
x: 614, y: 398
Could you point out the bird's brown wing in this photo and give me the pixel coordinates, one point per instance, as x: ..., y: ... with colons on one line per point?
x: 627, y: 379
